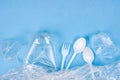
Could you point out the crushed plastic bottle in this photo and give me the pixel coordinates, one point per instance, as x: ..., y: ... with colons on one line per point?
x: 42, y: 51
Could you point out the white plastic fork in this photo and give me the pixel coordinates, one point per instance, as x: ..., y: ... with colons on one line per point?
x: 65, y: 50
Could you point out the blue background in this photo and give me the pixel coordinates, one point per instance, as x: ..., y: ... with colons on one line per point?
x: 68, y: 19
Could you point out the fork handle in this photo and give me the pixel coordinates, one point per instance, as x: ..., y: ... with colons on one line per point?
x: 62, y: 64
x: 71, y: 60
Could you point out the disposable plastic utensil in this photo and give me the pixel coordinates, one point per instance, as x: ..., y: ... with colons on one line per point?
x: 35, y: 42
x: 78, y: 47
x: 64, y: 51
x: 88, y: 57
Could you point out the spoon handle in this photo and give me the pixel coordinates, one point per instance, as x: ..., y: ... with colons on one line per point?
x: 92, y: 71
x: 71, y: 60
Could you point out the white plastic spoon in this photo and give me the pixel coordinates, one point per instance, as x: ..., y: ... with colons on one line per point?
x: 88, y: 57
x: 78, y: 47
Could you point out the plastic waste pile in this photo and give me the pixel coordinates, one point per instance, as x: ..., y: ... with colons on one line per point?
x: 40, y: 60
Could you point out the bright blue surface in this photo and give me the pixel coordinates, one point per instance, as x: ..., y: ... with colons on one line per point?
x: 68, y: 19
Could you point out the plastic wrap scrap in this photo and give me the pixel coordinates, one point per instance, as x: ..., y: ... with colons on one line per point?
x: 33, y: 72
x: 105, y: 50
x: 40, y: 65
x: 9, y: 49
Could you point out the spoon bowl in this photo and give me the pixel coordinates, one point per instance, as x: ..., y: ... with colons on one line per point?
x: 79, y: 45
x: 88, y: 57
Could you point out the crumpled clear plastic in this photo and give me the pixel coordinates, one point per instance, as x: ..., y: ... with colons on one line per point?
x: 39, y: 66
x: 33, y: 72
x: 111, y: 71
x: 42, y: 51
x: 104, y: 48
x: 9, y: 49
